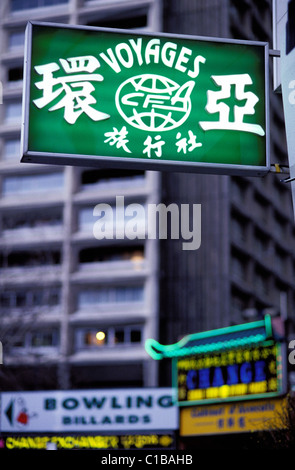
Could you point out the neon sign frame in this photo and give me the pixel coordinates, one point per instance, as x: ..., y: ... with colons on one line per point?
x: 239, y: 339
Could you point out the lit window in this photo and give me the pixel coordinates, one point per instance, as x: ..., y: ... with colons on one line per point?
x: 108, y: 337
x: 95, y: 338
x: 111, y: 254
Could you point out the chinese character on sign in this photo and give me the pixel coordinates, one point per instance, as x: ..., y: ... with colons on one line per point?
x: 118, y: 138
x: 215, y: 104
x: 75, y: 87
x: 230, y: 422
x: 182, y: 143
x: 220, y: 423
x: 242, y: 422
x: 156, y: 146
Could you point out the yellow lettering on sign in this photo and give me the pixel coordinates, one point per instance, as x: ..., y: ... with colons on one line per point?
x: 196, y: 394
x: 258, y: 387
x: 232, y: 417
x: 212, y: 392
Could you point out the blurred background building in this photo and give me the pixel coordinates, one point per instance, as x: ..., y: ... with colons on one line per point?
x: 75, y: 312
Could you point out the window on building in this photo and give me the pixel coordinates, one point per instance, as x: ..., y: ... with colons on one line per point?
x: 15, y: 76
x: 17, y: 5
x: 41, y: 339
x: 26, y: 184
x: 281, y: 261
x: 108, y: 337
x: 16, y: 40
x: 17, y: 342
x: 31, y: 258
x: 86, y: 218
x: 261, y: 243
x: 239, y: 228
x: 112, y: 221
x: 106, y: 295
x: 238, y: 304
x: 261, y: 282
x: 29, y: 299
x: 98, y: 178
x: 11, y: 149
x: 238, y: 190
x: 110, y: 254
x: 36, y: 341
x: 13, y: 112
x: 280, y: 226
x: 261, y: 209
x: 135, y: 335
x: 32, y: 221
x: 239, y: 266
x: 125, y: 19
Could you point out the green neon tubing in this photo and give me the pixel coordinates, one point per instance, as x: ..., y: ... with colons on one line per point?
x: 159, y: 351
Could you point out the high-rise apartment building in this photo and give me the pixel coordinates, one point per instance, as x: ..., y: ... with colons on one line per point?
x: 75, y: 312
x: 60, y: 286
x: 246, y: 260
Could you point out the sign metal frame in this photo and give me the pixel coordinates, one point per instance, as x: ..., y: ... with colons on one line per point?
x: 30, y: 156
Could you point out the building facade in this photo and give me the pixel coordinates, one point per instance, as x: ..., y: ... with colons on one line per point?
x: 246, y: 260
x: 75, y: 312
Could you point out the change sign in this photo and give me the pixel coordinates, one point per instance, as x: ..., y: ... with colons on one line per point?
x: 104, y: 97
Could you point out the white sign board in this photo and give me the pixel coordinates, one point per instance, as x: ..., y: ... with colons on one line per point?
x: 116, y: 410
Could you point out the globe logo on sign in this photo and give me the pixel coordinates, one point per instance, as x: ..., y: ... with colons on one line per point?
x: 154, y: 103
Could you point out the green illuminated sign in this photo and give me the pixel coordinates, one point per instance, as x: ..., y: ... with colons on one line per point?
x: 234, y: 363
x: 102, y: 97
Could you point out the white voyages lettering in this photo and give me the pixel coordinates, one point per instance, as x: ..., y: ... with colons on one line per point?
x: 169, y: 53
